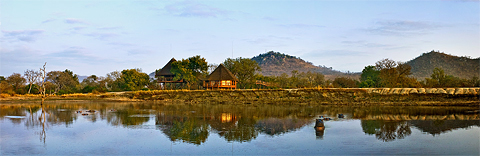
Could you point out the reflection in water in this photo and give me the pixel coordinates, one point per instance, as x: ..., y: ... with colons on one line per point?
x: 386, y: 130
x: 436, y: 127
x: 243, y: 123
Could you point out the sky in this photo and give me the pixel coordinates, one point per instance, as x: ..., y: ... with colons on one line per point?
x: 101, y: 36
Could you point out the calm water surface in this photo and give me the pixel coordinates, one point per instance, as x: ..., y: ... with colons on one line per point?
x: 158, y: 129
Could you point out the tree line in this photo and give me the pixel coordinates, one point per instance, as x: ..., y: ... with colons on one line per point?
x: 385, y: 73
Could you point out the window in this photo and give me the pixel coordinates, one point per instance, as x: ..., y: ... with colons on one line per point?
x: 223, y: 83
x: 229, y: 82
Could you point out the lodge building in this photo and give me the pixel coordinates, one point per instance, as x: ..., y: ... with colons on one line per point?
x: 220, y: 78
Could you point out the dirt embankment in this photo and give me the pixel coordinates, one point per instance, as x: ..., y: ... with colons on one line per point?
x: 386, y: 96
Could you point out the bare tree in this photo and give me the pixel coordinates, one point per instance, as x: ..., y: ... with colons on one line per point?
x: 43, y: 76
x: 31, y: 77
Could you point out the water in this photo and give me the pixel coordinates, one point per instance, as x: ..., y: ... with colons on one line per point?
x: 157, y: 129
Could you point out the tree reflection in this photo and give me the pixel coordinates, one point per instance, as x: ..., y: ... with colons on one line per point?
x: 437, y: 127
x: 386, y: 130
x: 188, y: 130
x: 275, y: 126
x: 127, y: 117
x: 243, y: 131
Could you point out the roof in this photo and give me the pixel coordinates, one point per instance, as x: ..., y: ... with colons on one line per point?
x: 221, y: 73
x: 165, y: 71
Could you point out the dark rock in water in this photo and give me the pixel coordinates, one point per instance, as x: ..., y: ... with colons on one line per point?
x: 340, y: 116
x: 319, y: 123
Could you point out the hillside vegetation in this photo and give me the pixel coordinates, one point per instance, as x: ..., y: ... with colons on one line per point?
x: 462, y: 67
x: 275, y: 63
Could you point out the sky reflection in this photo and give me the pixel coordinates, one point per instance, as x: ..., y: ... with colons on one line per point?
x: 220, y: 129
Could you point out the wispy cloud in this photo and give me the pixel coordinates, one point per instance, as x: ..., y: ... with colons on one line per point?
x: 121, y: 44
x: 22, y: 35
x: 48, y: 20
x: 301, y: 26
x: 74, y: 21
x: 193, y: 9
x: 394, y: 27
x: 102, y: 36
x: 108, y: 28
x: 269, y: 18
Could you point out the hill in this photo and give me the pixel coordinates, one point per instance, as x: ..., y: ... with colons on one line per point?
x: 275, y: 63
x: 462, y: 67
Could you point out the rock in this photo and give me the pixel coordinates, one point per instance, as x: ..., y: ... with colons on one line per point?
x: 430, y: 90
x: 385, y: 91
x: 414, y: 91
x: 450, y: 91
x: 441, y: 91
x: 421, y: 90
x: 458, y: 91
x: 405, y: 91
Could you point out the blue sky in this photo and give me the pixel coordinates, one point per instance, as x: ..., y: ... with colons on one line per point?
x: 101, y: 36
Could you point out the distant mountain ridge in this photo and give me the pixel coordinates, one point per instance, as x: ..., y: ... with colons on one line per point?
x: 462, y: 67
x: 275, y: 64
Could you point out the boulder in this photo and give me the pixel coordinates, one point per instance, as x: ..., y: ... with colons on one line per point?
x: 430, y: 90
x: 421, y: 90
x: 450, y: 91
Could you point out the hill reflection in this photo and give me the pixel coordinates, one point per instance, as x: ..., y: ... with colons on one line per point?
x: 242, y: 123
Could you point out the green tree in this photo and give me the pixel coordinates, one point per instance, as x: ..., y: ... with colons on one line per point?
x: 65, y: 82
x: 370, y: 77
x: 93, y: 84
x: 440, y: 79
x: 190, y: 70
x: 17, y: 82
x: 113, y: 82
x: 244, y: 69
x: 133, y: 79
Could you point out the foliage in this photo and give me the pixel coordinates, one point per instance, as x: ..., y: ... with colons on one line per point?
x: 31, y: 77
x: 34, y: 88
x: 244, y: 69
x: 440, y: 79
x: 6, y: 88
x: 65, y: 82
x: 190, y: 70
x: 275, y: 63
x: 395, y: 75
x: 17, y: 82
x: 133, y: 79
x: 94, y: 84
x: 345, y: 82
x: 297, y: 80
x: 370, y: 77
x: 462, y: 67
x: 113, y: 81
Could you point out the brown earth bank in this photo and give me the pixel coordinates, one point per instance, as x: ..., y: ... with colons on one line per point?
x: 334, y: 96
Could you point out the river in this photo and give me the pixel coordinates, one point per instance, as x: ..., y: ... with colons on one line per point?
x: 147, y: 128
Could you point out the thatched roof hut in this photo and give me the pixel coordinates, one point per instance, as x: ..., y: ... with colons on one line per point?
x: 165, y: 71
x: 221, y: 77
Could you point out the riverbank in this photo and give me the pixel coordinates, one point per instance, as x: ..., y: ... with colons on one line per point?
x: 345, y: 96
